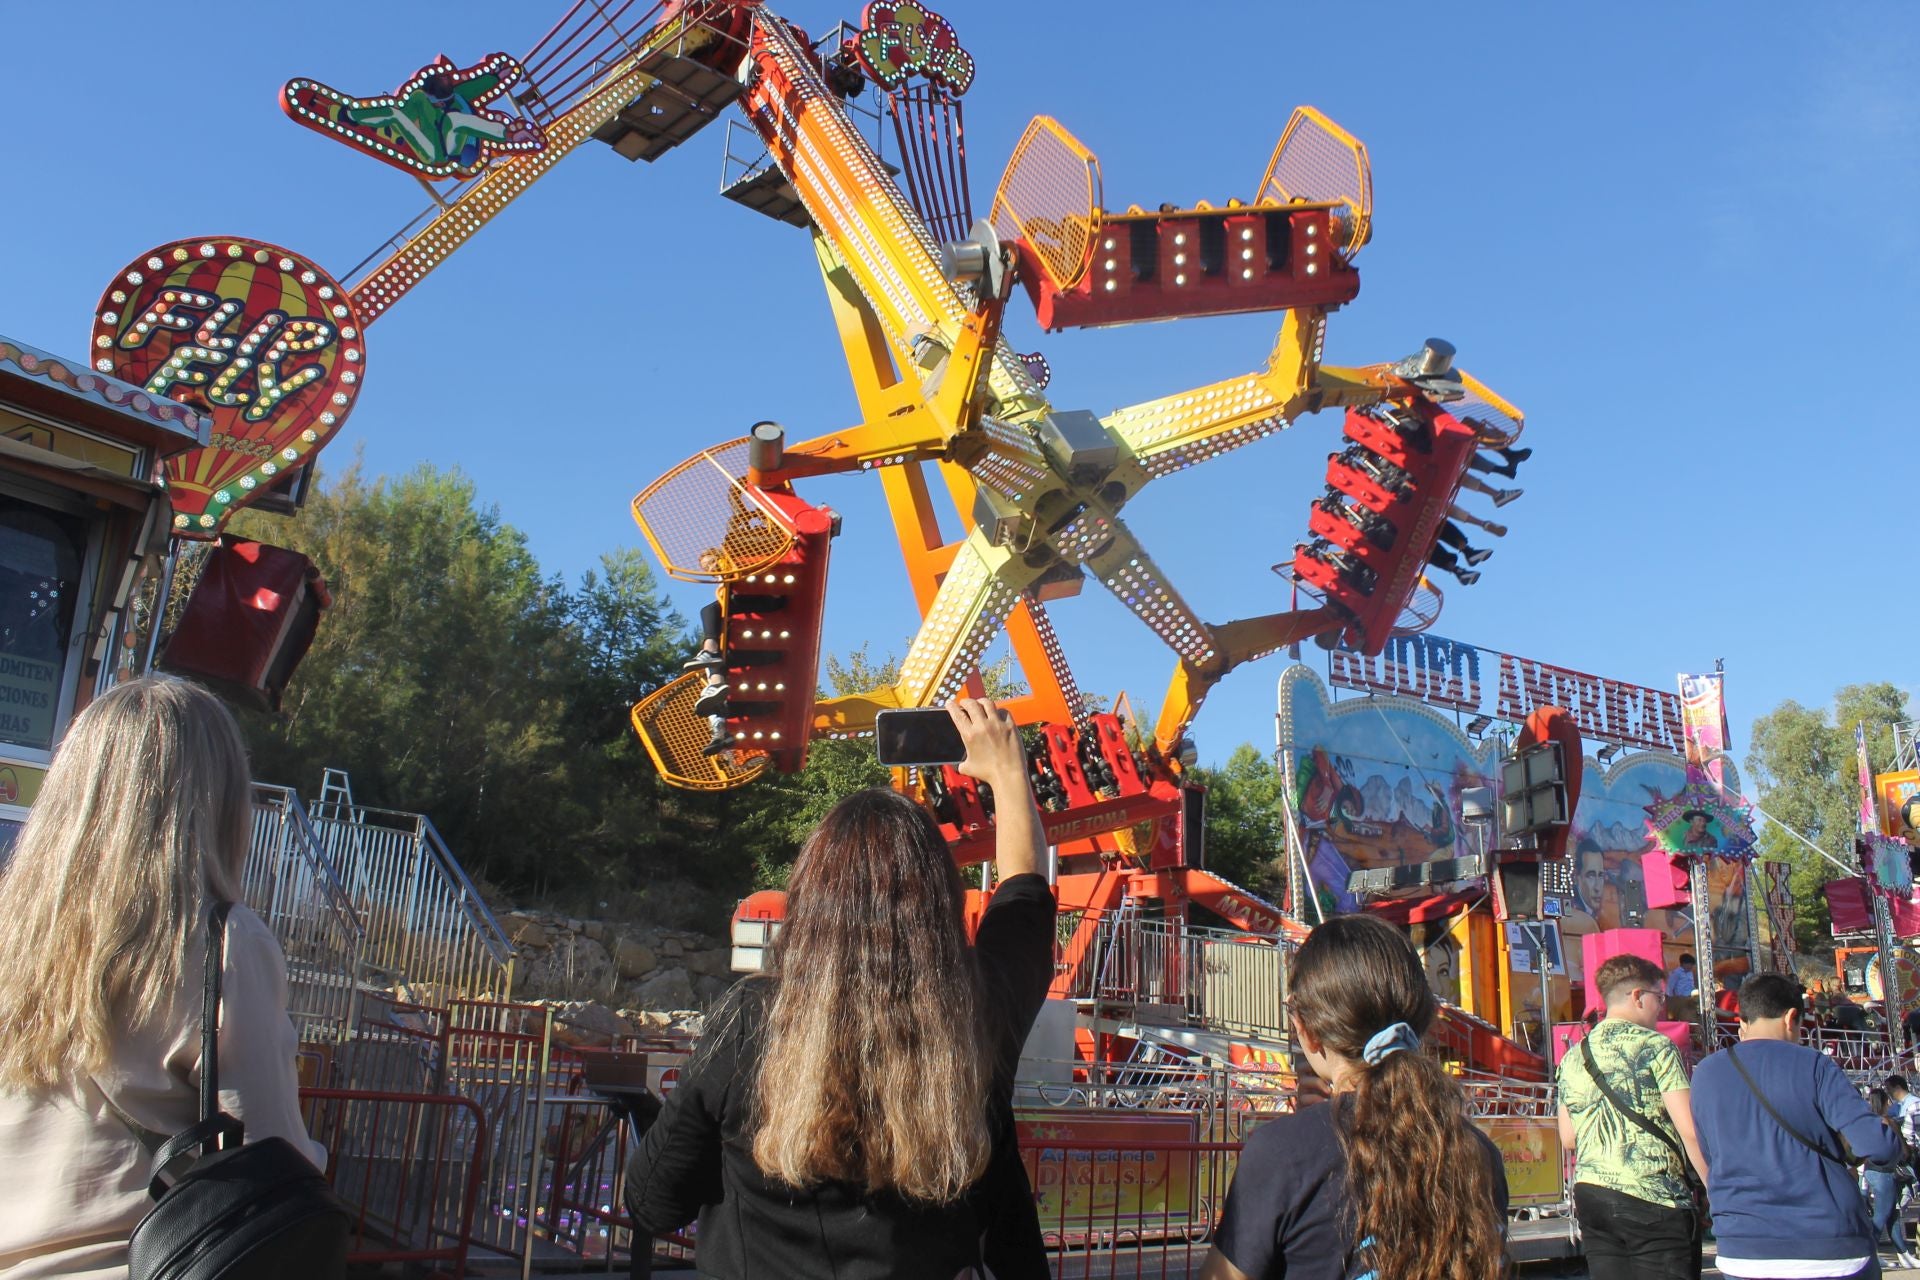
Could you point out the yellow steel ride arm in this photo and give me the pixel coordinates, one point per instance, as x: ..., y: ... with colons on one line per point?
x: 510, y: 176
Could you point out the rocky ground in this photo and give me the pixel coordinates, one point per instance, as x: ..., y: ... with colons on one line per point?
x: 616, y: 978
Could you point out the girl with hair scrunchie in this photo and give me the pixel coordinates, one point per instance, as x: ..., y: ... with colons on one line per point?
x: 1390, y: 1180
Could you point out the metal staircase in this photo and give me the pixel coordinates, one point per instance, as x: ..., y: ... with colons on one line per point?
x: 428, y: 932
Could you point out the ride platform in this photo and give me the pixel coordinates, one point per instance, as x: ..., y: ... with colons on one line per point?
x: 685, y: 97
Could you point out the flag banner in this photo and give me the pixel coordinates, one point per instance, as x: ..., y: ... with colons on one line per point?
x: 1703, y: 717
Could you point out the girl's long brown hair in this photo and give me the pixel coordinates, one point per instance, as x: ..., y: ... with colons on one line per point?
x: 1417, y: 1174
x: 876, y: 1067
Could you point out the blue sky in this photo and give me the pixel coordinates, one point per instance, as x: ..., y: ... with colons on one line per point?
x: 1684, y: 240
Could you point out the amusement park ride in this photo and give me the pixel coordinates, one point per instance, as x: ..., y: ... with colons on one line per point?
x: 272, y: 348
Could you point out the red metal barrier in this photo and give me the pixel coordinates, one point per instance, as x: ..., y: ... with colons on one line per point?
x: 409, y: 1166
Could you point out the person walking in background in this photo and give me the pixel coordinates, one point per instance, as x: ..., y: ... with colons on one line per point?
x: 1776, y: 1122
x: 1624, y: 1113
x: 141, y: 827
x: 1682, y: 983
x: 1902, y: 1106
x: 1883, y: 1187
x: 849, y: 1115
x: 1388, y: 1179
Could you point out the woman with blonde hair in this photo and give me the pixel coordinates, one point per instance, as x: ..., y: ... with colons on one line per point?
x: 849, y: 1114
x: 141, y: 826
x: 1388, y: 1180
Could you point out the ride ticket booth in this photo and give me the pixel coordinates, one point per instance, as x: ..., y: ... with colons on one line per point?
x: 82, y: 513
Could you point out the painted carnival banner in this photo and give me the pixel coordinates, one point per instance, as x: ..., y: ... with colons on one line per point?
x: 1703, y: 717
x: 1530, y: 1151
x: 1377, y: 783
x: 1448, y: 674
x: 1124, y: 1185
x: 1894, y: 790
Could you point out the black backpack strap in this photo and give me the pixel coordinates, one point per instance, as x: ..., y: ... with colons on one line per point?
x: 220, y: 1130
x: 210, y: 1012
x: 1795, y: 1134
x: 1628, y: 1113
x: 216, y: 1130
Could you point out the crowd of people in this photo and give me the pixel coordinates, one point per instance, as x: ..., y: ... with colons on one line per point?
x: 849, y: 1112
x: 1798, y: 1175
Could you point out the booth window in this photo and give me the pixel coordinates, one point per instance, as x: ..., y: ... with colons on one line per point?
x: 41, y: 554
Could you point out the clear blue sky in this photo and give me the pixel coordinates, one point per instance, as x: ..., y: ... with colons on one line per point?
x: 1683, y: 238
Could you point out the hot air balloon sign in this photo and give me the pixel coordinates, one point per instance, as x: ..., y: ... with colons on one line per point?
x: 260, y: 339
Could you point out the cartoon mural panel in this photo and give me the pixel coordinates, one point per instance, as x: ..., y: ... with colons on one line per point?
x: 1377, y: 782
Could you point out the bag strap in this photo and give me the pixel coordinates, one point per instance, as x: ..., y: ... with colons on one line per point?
x: 1619, y: 1104
x: 210, y: 1012
x: 146, y: 1137
x: 1801, y: 1138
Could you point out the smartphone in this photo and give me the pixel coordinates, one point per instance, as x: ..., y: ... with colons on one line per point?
x: 917, y: 736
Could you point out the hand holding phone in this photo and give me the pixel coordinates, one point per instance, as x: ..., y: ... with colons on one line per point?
x: 917, y: 737
x: 994, y: 752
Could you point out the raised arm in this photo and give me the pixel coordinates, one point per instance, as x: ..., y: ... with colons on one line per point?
x: 995, y: 757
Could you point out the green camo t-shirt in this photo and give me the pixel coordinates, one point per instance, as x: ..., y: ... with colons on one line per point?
x: 1610, y: 1150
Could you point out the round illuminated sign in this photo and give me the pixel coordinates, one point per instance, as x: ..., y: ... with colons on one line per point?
x: 260, y: 340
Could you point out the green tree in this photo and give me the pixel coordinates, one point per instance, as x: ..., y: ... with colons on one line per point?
x: 452, y: 678
x: 1246, y: 822
x: 1802, y: 764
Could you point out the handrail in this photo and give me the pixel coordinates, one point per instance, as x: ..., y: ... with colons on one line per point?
x: 295, y: 888
x: 427, y: 924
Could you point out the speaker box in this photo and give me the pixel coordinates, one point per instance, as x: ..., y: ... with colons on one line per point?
x: 1517, y: 890
x: 1193, y: 825
x: 248, y: 622
x: 1667, y: 879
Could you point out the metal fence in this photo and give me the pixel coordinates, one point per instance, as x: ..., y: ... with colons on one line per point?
x: 408, y: 1166
x: 1867, y: 1057
x: 1215, y: 979
x: 425, y: 922
x: 292, y: 886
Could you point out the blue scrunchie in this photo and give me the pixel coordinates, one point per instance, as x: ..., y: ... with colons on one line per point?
x: 1393, y: 1039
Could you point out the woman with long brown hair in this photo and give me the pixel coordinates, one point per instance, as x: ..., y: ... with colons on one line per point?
x: 1388, y: 1180
x: 849, y: 1114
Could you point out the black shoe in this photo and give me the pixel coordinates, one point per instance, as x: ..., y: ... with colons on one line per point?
x: 1471, y: 557
x: 1467, y: 576
x: 705, y: 661
x: 1515, y: 457
x: 713, y: 700
x: 722, y: 742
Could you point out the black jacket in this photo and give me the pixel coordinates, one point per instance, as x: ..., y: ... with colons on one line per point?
x: 696, y: 1159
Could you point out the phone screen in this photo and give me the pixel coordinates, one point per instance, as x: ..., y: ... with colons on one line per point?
x: 917, y: 736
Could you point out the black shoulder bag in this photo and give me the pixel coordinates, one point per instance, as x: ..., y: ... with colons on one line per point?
x: 1846, y: 1162
x: 239, y: 1212
x: 1638, y: 1120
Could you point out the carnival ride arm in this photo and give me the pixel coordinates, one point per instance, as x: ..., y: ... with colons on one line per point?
x: 1679, y: 1104
x: 510, y: 176
x: 972, y: 605
x: 1166, y: 433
